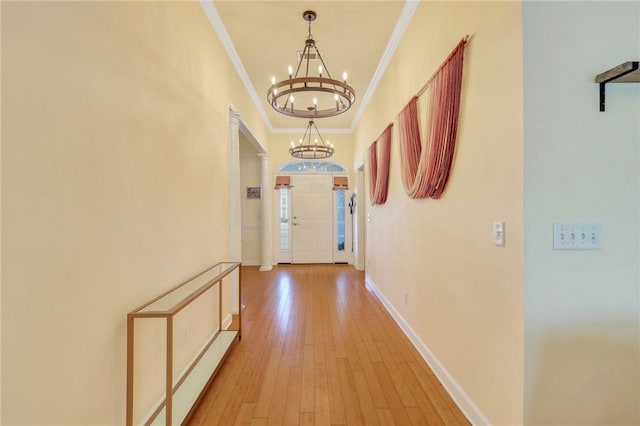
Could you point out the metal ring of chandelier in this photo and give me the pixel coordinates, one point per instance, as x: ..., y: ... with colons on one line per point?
x: 311, y: 151
x: 308, y: 153
x: 280, y: 100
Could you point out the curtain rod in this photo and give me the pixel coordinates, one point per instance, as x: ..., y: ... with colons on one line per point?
x: 462, y: 42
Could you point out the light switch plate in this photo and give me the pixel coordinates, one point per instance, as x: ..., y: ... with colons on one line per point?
x: 577, y: 236
x: 498, y: 233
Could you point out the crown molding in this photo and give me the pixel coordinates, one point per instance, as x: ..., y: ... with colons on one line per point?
x: 402, y: 23
x: 216, y: 22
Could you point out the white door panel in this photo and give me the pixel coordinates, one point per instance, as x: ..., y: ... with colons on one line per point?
x: 312, y: 219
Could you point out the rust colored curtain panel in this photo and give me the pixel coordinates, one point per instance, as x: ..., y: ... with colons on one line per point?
x: 379, y: 158
x: 425, y: 170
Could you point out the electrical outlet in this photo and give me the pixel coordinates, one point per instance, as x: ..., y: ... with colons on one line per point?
x: 577, y: 236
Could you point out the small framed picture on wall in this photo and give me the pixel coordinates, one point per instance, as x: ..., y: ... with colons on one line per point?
x: 253, y: 192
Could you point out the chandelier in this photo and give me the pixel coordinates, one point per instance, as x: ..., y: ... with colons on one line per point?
x: 311, y: 150
x: 321, y: 95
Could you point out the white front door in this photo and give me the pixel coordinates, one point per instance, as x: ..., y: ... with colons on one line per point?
x: 312, y: 218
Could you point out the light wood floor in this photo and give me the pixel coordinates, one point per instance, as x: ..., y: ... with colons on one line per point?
x: 318, y: 348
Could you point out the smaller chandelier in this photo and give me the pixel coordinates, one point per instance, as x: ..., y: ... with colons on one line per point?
x: 311, y: 150
x: 321, y: 96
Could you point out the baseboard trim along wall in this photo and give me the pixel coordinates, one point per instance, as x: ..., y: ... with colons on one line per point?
x: 466, y: 405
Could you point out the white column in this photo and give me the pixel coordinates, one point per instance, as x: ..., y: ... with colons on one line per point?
x: 235, y: 219
x: 267, y: 213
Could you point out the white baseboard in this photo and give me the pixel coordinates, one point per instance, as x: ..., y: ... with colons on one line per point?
x: 466, y: 405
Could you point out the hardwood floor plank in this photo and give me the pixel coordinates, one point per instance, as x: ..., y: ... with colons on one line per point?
x: 294, y: 390
x: 263, y: 404
x: 319, y: 348
x: 279, y: 400
x: 338, y: 335
x: 385, y: 418
x: 430, y: 412
x: 260, y: 359
x: 391, y: 394
x: 369, y: 414
x: 336, y: 402
x: 307, y: 419
x: 258, y: 421
x: 351, y: 403
x: 416, y: 416
x: 353, y: 357
x: 372, y: 381
x: 245, y: 415
x: 307, y: 396
x: 322, y: 407
x: 369, y: 343
x: 434, y: 396
x: 398, y: 381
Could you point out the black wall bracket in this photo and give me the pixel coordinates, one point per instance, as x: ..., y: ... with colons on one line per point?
x: 627, y: 72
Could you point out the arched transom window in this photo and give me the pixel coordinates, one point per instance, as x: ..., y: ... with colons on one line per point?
x: 312, y: 167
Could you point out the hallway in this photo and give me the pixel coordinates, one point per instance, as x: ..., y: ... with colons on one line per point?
x: 318, y: 348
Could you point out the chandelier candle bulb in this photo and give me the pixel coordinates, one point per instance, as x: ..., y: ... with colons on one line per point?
x: 273, y: 80
x: 344, y: 76
x: 290, y: 69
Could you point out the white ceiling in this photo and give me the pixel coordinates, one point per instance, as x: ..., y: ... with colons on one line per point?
x: 263, y: 38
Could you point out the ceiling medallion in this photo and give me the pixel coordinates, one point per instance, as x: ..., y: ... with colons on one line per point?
x: 320, y: 95
x: 311, y: 150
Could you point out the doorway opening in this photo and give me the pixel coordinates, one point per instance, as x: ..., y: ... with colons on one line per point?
x: 245, y: 198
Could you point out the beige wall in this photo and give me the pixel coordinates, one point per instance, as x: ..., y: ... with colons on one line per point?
x: 465, y: 295
x: 582, y: 341
x: 114, y: 188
